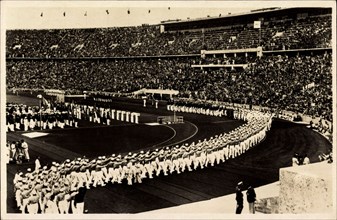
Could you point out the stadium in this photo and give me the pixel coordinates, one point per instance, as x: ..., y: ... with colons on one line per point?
x: 139, y: 119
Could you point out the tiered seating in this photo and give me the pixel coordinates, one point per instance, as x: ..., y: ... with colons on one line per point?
x: 148, y: 41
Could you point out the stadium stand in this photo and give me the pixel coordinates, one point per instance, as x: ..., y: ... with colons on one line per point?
x: 293, y: 73
x: 289, y: 78
x: 147, y: 40
x: 127, y: 59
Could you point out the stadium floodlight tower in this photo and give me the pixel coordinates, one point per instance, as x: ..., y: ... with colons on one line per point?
x: 39, y: 96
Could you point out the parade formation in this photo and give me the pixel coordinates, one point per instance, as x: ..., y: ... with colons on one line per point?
x: 61, y: 187
x: 28, y: 118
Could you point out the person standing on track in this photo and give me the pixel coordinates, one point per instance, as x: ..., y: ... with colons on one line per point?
x: 33, y: 203
x: 37, y: 165
x: 306, y: 160
x: 79, y: 200
x: 251, y: 198
x: 295, y: 161
x: 24, y: 147
x: 239, y: 198
x: 51, y: 205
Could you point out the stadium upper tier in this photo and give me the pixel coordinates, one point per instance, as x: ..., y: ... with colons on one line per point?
x: 150, y: 40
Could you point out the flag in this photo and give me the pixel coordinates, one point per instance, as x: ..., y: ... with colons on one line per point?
x: 112, y: 45
x: 136, y: 44
x: 171, y: 41
x: 45, y: 102
x: 308, y: 86
x: 18, y: 46
x: 79, y: 47
x: 257, y: 24
x: 278, y: 34
x: 191, y: 42
x: 54, y: 46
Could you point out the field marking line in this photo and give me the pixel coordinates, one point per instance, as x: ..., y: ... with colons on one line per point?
x: 196, y: 131
x: 174, y: 134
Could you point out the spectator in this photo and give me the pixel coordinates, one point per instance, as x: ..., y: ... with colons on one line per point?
x: 306, y: 160
x: 147, y: 40
x: 295, y: 161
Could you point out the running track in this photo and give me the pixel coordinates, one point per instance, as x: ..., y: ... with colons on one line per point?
x: 259, y: 166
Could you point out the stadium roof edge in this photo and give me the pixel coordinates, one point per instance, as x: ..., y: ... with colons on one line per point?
x: 252, y: 12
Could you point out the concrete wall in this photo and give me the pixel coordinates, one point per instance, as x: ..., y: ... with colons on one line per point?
x: 306, y: 189
x: 267, y: 205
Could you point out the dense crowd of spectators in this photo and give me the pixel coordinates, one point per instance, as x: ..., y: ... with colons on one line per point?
x: 303, y: 33
x: 296, y: 83
x: 227, y: 60
x: 115, y: 76
x: 148, y: 41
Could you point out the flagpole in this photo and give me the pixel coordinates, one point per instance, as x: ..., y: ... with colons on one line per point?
x: 260, y: 36
x: 40, y: 102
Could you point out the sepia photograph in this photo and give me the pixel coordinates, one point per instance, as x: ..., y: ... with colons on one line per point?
x: 168, y: 109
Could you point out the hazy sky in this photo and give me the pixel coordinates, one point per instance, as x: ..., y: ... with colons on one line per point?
x: 27, y: 14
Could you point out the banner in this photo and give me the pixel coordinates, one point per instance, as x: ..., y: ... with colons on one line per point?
x: 257, y: 24
x: 45, y: 102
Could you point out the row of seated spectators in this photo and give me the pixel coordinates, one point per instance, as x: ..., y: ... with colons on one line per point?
x: 228, y: 60
x: 148, y: 41
x: 301, y: 83
x: 289, y: 34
